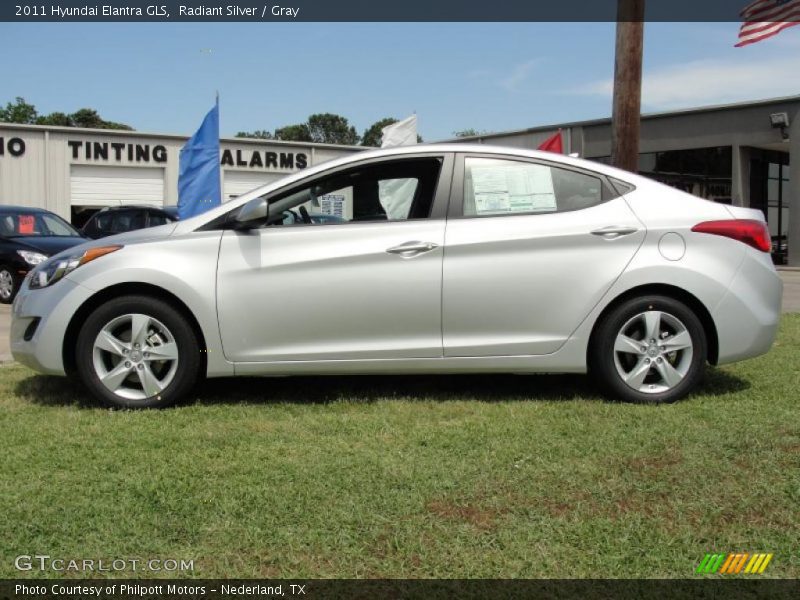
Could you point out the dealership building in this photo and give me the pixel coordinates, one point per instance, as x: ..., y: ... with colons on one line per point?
x: 735, y: 154
x: 74, y: 172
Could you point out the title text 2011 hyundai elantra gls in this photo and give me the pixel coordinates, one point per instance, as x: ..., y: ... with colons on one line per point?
x: 445, y: 259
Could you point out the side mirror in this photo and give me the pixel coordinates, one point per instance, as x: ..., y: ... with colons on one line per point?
x: 252, y: 215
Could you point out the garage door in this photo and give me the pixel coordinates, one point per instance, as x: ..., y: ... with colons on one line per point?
x: 112, y: 186
x: 236, y: 183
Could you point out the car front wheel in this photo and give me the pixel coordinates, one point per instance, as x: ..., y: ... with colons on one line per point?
x: 138, y: 352
x: 9, y: 284
x: 650, y: 349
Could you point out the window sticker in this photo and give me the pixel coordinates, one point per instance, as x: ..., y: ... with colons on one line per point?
x: 513, y: 188
x: 26, y: 224
x: 332, y: 204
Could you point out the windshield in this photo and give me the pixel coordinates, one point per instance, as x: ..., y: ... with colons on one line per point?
x: 34, y: 224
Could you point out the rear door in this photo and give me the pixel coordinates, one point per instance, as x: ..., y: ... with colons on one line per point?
x: 531, y: 247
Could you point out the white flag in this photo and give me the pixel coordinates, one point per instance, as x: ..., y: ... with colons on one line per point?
x: 402, y: 133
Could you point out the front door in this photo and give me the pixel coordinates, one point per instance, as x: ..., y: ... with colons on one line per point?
x: 353, y: 269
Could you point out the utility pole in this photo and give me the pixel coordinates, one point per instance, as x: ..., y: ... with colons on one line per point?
x: 627, y: 85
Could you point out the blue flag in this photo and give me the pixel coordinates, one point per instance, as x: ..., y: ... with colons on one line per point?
x: 198, y: 178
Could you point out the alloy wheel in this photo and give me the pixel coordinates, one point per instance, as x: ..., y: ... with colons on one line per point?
x: 6, y: 284
x: 653, y: 352
x: 135, y: 356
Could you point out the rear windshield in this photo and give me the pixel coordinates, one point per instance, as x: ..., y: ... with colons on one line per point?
x: 34, y: 224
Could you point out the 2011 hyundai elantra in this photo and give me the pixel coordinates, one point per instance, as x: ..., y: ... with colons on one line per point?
x: 444, y: 259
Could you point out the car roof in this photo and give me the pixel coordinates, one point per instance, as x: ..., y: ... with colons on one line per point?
x: 135, y: 206
x: 27, y: 209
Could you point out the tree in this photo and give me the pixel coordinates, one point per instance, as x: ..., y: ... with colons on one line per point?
x: 374, y: 135
x: 115, y: 125
x: 55, y: 118
x: 87, y: 117
x: 327, y: 128
x: 294, y: 133
x: 261, y: 134
x: 19, y: 111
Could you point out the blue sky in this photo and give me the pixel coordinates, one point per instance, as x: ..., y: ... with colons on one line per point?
x: 486, y: 76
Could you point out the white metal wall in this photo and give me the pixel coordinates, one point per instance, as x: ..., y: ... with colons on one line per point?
x: 97, y: 186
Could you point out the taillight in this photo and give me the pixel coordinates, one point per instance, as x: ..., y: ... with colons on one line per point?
x: 751, y: 232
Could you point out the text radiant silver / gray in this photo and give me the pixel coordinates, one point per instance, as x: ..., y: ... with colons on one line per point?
x: 438, y: 259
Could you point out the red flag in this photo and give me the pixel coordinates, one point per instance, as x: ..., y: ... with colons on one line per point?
x: 553, y: 144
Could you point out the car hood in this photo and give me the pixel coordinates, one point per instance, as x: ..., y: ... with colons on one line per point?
x: 130, y: 237
x: 137, y: 235
x: 48, y: 245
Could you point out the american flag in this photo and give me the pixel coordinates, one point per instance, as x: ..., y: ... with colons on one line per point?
x: 765, y: 18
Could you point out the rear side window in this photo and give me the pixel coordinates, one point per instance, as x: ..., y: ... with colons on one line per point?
x: 103, y: 222
x: 500, y: 187
x: 138, y: 220
x: 157, y: 219
x: 6, y: 225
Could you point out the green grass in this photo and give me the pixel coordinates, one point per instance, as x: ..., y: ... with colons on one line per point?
x: 462, y: 476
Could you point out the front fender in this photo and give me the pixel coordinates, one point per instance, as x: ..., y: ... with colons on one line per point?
x: 185, y: 267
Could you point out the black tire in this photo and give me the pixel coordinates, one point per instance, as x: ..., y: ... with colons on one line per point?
x: 8, y: 275
x: 608, y: 365
x: 179, y: 377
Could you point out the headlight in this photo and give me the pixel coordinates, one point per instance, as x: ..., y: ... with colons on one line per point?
x: 32, y: 258
x: 54, y: 270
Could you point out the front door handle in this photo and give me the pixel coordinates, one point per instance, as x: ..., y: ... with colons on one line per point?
x: 613, y: 232
x: 409, y: 249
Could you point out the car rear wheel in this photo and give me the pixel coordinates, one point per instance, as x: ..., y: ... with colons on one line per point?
x: 138, y: 352
x: 649, y: 350
x: 9, y: 284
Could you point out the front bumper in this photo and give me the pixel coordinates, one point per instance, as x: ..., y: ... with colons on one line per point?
x: 54, y: 307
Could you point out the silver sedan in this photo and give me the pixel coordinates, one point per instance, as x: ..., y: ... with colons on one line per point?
x: 442, y: 259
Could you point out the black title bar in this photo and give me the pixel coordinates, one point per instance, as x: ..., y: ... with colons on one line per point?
x: 252, y: 11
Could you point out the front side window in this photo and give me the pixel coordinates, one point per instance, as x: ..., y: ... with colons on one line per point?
x: 500, y: 187
x: 102, y: 222
x: 392, y: 191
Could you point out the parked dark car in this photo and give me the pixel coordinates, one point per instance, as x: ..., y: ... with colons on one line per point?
x: 780, y: 249
x: 28, y: 236
x: 119, y: 219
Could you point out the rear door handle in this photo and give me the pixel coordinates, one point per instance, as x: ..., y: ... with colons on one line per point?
x: 614, y: 231
x: 409, y: 249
